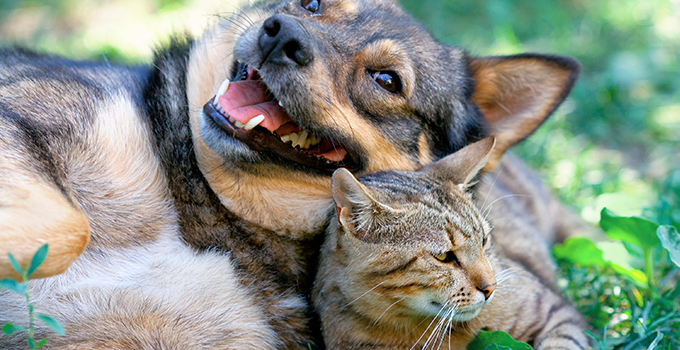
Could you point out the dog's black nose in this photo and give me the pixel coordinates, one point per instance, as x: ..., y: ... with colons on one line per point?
x: 284, y: 41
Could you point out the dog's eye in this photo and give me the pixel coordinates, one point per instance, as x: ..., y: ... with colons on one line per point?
x: 310, y: 5
x: 387, y: 80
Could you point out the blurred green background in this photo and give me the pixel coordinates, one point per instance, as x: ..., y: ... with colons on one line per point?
x: 614, y: 143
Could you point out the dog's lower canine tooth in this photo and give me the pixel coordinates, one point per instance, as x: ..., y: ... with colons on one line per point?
x: 293, y: 137
x: 223, y: 88
x: 254, y: 122
x: 280, y: 104
x: 239, y: 124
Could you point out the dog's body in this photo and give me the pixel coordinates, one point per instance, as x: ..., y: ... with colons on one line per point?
x: 188, y: 231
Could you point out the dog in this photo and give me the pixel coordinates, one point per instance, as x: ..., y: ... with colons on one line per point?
x: 183, y: 201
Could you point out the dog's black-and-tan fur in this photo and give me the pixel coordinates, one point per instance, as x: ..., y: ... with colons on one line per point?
x: 183, y: 232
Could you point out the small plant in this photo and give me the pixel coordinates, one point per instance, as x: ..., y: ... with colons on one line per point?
x: 497, y: 340
x: 22, y: 289
x: 626, y: 287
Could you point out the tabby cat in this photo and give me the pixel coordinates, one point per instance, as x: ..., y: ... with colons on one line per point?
x: 409, y: 264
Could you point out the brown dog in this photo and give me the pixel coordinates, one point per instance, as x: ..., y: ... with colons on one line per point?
x: 202, y: 212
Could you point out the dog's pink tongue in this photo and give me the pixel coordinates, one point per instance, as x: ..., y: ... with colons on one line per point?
x: 245, y: 100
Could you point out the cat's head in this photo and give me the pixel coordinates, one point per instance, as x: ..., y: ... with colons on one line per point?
x: 413, y: 244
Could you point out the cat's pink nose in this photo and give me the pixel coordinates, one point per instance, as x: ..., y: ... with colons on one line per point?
x: 488, y: 290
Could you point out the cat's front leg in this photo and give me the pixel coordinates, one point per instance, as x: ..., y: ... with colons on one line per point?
x: 532, y: 312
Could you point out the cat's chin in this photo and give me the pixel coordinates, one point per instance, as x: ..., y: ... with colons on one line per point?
x: 466, y: 315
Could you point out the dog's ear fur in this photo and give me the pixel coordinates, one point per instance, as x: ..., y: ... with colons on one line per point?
x: 516, y: 94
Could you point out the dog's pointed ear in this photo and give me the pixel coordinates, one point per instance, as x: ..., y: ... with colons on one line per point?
x: 463, y: 165
x: 516, y: 94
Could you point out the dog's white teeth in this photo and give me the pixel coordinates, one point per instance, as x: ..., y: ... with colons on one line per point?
x: 293, y: 137
x: 239, y: 124
x: 223, y: 88
x: 303, y: 138
x: 254, y: 122
x: 280, y: 104
x: 232, y: 120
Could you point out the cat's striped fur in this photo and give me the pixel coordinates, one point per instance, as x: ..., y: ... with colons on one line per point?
x: 409, y: 264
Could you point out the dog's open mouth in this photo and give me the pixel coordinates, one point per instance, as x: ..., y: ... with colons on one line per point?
x: 246, y: 110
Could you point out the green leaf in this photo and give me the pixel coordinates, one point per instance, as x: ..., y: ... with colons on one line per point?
x: 502, y: 341
x: 10, y: 284
x: 670, y: 239
x: 41, y: 343
x: 52, y: 323
x: 38, y: 259
x: 583, y: 252
x: 497, y: 347
x: 619, y: 259
x: 580, y: 251
x: 630, y: 229
x: 14, y: 263
x: 31, y: 343
x: 9, y: 328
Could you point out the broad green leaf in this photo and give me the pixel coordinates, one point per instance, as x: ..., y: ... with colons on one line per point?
x: 10, y: 328
x: 580, y: 251
x: 41, y: 343
x: 497, y: 347
x: 485, y: 340
x: 634, y: 274
x: 52, y: 323
x: 583, y: 252
x: 630, y: 229
x: 10, y: 284
x: 670, y: 239
x: 619, y: 259
x: 38, y: 259
x: 14, y: 263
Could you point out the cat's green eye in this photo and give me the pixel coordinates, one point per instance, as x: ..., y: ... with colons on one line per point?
x: 440, y: 257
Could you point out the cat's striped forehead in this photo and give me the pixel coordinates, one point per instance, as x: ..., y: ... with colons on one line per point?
x: 426, y: 206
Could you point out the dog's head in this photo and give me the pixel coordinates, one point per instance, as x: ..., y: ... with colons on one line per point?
x: 321, y: 84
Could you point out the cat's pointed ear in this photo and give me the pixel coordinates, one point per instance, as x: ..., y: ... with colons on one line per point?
x: 349, y: 195
x: 462, y: 166
x: 516, y: 94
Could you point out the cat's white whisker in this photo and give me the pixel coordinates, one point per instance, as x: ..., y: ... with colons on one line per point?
x: 490, y: 206
x: 492, y: 185
x: 435, y: 333
x: 389, y: 307
x: 362, y: 295
x: 430, y: 325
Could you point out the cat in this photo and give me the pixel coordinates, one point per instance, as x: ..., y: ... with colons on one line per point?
x: 409, y: 263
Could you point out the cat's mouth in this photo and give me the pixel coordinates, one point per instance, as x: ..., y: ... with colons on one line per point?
x: 463, y: 314
x: 246, y: 110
